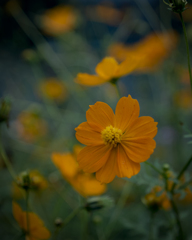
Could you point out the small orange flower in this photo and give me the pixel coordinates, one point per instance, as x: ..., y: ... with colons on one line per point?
x: 37, y: 183
x: 116, y: 143
x: 53, y: 89
x: 84, y: 183
x: 36, y: 230
x: 31, y: 126
x: 154, y: 48
x: 108, y: 69
x: 58, y: 20
x: 183, y: 99
x: 155, y: 202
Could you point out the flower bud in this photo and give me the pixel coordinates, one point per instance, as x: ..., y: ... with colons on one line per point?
x: 58, y: 222
x: 24, y: 180
x: 96, y: 203
x: 177, y: 5
x: 5, y: 107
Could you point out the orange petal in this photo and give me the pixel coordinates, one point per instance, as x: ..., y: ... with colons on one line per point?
x: 107, y: 68
x: 142, y: 127
x: 66, y: 163
x: 92, y: 158
x: 87, y: 136
x: 18, y: 214
x: 127, y: 66
x: 89, y: 80
x: 107, y: 173
x: 99, y: 116
x: 138, y: 149
x: 126, y: 167
x: 127, y: 111
x: 40, y: 232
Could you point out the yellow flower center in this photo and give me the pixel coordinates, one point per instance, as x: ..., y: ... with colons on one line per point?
x: 111, y: 135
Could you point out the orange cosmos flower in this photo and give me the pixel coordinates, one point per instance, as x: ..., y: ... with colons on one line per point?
x: 84, y: 183
x: 58, y: 20
x: 53, y: 89
x: 116, y: 143
x: 154, y: 48
x: 36, y: 230
x: 107, y: 70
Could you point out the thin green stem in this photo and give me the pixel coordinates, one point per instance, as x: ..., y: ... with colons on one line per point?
x: 27, y: 210
x: 181, y: 173
x: 187, y: 47
x: 176, y: 213
x: 8, y: 164
x: 116, y: 89
x: 156, y: 169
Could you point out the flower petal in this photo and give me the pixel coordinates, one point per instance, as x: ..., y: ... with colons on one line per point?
x: 107, y: 173
x: 107, y: 68
x: 125, y: 167
x: 127, y: 66
x: 89, y: 80
x: 127, y: 111
x: 18, y: 214
x: 87, y: 136
x: 138, y: 149
x: 99, y: 116
x: 92, y: 158
x: 143, y: 126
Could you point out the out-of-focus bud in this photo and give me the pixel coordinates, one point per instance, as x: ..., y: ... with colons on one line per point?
x: 166, y: 167
x: 24, y: 180
x: 177, y: 6
x: 97, y: 219
x: 30, y: 55
x: 96, y: 203
x: 58, y: 222
x: 5, y: 108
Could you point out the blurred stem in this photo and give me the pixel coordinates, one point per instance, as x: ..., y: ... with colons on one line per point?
x: 181, y: 173
x: 114, y: 84
x: 187, y: 47
x: 27, y: 210
x: 151, y: 231
x: 66, y: 221
x: 154, y: 168
x: 6, y: 160
x: 121, y: 202
x: 175, y: 210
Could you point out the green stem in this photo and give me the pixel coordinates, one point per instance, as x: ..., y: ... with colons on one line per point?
x: 187, y: 47
x: 27, y: 211
x: 116, y: 89
x: 181, y: 173
x: 156, y: 169
x: 176, y: 213
x: 6, y: 161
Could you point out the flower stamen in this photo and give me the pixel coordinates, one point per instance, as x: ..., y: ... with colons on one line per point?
x: 111, y: 135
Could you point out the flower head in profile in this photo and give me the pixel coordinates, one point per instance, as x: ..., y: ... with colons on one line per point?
x: 53, y: 89
x: 84, y: 183
x: 108, y: 70
x: 116, y: 143
x: 58, y: 20
x: 36, y: 182
x: 154, y: 48
x: 35, y: 228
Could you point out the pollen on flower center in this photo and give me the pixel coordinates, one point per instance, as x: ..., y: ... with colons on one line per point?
x: 111, y: 135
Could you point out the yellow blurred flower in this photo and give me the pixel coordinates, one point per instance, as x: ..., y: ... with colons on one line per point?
x: 108, y: 70
x: 183, y: 99
x: 155, y: 201
x: 36, y: 230
x: 84, y: 183
x: 105, y: 13
x: 53, y: 89
x: 154, y: 48
x: 117, y: 143
x: 58, y: 20
x: 37, y: 182
x: 30, y: 126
